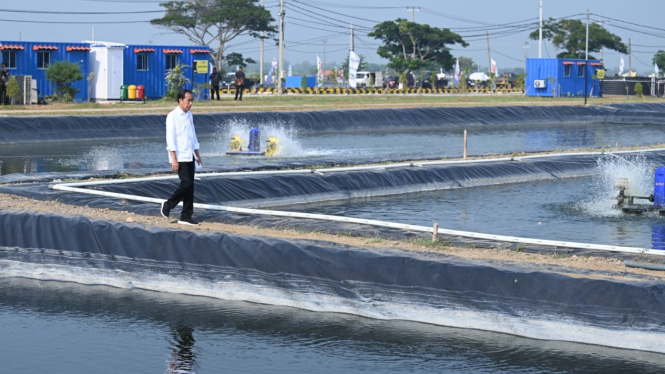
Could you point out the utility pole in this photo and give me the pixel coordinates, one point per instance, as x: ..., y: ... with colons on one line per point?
x: 280, y: 89
x: 586, y: 57
x: 489, y: 54
x: 352, y: 41
x: 601, y: 46
x: 586, y: 54
x: 324, y: 59
x: 630, y: 57
x: 540, y: 32
x: 526, y: 47
x: 413, y: 11
x: 263, y: 3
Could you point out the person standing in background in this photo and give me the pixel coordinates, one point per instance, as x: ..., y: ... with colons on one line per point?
x: 183, y: 148
x: 215, y: 78
x: 4, y: 80
x: 240, y: 82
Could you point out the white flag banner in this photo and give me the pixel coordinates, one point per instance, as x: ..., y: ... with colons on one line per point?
x: 656, y: 69
x: 621, y: 64
x: 319, y: 71
x: 354, y: 63
x: 290, y: 71
x: 457, y: 72
x: 272, y: 70
x: 493, y: 68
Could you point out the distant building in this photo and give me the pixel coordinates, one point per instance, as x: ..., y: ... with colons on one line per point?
x: 113, y: 65
x: 147, y: 65
x: 560, y: 77
x: 33, y: 58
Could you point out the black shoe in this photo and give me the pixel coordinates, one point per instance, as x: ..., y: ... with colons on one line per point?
x: 165, y: 210
x: 188, y: 222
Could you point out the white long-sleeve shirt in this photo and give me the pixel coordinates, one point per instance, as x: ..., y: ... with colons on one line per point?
x: 180, y: 135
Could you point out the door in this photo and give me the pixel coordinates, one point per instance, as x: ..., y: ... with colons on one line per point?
x: 115, y: 72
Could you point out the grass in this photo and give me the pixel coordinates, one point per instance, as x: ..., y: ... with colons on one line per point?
x: 427, y: 242
x: 261, y: 103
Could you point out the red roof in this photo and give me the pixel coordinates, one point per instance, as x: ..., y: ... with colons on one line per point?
x: 70, y: 48
x: 596, y: 64
x: 199, y: 51
x: 172, y: 51
x: 568, y: 63
x: 139, y: 50
x: 12, y: 47
x: 581, y: 63
x: 42, y: 47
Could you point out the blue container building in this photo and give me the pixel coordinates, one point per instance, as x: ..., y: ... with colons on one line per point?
x: 561, y: 77
x: 33, y: 58
x: 147, y: 65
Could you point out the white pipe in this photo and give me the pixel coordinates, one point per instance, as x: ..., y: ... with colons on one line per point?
x: 354, y: 168
x: 74, y: 187
x: 468, y: 234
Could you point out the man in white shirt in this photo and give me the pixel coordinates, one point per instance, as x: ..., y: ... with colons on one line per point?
x: 183, y: 147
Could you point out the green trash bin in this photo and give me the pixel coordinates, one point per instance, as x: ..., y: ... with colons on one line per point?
x: 124, y: 94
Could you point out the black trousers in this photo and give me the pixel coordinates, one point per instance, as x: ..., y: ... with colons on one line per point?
x: 212, y: 92
x: 239, y: 90
x: 185, y: 192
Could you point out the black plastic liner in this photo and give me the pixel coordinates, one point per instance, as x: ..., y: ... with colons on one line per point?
x: 28, y: 129
x: 448, y: 177
x: 272, y: 190
x: 317, y: 271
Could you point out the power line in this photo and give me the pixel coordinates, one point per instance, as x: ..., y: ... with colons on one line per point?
x: 506, y: 56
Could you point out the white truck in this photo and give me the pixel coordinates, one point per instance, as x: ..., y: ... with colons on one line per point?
x: 364, y: 79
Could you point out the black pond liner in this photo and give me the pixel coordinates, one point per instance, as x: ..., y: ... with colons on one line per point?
x: 271, y: 190
x: 34, y: 129
x: 569, y: 305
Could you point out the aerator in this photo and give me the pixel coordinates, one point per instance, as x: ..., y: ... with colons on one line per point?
x: 627, y: 203
x: 254, y: 148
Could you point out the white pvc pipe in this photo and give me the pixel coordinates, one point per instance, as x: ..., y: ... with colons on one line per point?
x: 468, y: 234
x: 352, y: 168
x: 74, y: 187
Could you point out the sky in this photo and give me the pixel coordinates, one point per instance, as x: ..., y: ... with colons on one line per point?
x: 309, y: 22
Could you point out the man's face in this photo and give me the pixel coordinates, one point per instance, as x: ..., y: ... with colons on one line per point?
x: 186, y: 103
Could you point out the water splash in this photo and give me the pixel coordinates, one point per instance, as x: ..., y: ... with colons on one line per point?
x: 635, y: 170
x: 289, y: 145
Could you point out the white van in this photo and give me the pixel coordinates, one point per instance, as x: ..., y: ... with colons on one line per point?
x: 364, y: 78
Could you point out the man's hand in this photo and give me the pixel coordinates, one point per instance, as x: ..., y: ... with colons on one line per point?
x: 175, y: 165
x: 199, y: 160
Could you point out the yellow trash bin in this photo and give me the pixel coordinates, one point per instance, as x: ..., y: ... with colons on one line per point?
x: 131, y: 92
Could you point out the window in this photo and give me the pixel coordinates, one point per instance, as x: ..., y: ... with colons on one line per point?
x: 142, y: 62
x: 566, y: 71
x: 171, y: 61
x: 9, y: 59
x: 580, y: 70
x: 43, y: 60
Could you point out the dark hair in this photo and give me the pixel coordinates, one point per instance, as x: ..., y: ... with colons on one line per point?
x: 182, y: 93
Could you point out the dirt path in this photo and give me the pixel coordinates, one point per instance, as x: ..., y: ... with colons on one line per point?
x: 600, y: 264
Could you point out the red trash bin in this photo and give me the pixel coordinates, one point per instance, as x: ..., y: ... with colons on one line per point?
x: 140, y: 92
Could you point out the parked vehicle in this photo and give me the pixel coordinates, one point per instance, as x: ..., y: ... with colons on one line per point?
x: 392, y: 81
x: 364, y: 79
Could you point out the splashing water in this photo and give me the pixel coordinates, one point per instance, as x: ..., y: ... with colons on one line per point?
x: 288, y: 146
x: 634, y: 170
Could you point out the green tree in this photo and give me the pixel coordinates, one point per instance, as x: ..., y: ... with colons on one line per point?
x: 63, y: 74
x: 466, y: 63
x: 175, y: 80
x: 410, y: 46
x: 236, y: 59
x: 570, y: 36
x: 13, y: 90
x: 659, y: 59
x: 205, y: 22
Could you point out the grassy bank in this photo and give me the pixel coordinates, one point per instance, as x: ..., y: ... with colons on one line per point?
x: 307, y: 103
